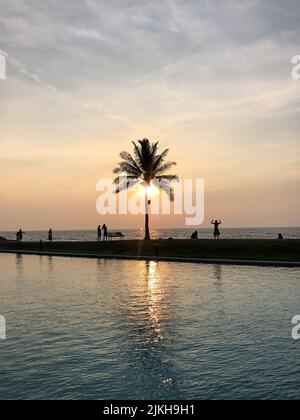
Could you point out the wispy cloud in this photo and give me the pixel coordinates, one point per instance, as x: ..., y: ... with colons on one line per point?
x: 87, y: 33
x: 31, y: 75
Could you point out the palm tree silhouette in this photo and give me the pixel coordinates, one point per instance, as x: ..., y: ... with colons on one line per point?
x: 146, y: 167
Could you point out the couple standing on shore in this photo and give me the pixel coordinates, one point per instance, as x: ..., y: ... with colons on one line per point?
x: 105, y: 232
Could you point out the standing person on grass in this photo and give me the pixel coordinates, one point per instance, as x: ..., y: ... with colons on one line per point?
x: 217, y: 232
x: 99, y: 233
x: 105, y: 233
x: 20, y: 235
x: 50, y: 235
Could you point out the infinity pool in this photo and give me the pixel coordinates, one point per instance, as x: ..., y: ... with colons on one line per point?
x: 99, y: 329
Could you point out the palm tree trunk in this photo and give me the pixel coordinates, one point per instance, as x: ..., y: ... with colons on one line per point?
x: 147, y: 230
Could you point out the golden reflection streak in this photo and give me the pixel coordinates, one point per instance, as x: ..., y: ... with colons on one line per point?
x: 154, y: 297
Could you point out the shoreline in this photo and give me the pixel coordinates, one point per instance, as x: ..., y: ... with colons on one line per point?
x: 251, y: 252
x: 256, y: 263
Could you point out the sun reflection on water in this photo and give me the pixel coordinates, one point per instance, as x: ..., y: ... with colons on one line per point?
x: 154, y: 300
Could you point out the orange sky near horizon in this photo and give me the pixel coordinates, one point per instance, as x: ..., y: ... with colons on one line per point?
x: 59, y: 190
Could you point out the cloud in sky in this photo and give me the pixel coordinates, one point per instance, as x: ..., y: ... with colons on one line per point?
x: 214, y: 74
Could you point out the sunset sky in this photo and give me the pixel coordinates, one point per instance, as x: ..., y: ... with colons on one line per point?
x: 210, y: 79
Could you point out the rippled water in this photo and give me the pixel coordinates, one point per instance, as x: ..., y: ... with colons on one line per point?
x: 98, y: 329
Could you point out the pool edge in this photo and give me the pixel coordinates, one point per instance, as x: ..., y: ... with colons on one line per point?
x: 285, y: 264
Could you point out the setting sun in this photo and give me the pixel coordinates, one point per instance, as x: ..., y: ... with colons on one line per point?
x: 152, y: 190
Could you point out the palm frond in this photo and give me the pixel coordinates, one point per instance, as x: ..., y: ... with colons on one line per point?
x: 169, y: 178
x: 146, y: 148
x: 126, y: 186
x: 165, y: 167
x: 166, y: 187
x: 154, y: 148
x: 128, y: 168
x: 128, y: 158
x: 137, y: 153
x: 160, y: 159
x: 119, y: 179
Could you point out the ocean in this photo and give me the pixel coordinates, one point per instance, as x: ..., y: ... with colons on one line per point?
x: 227, y: 233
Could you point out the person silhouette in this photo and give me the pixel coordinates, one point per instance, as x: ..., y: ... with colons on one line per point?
x: 99, y: 233
x: 217, y: 232
x: 195, y: 235
x: 50, y: 235
x: 105, y: 233
x: 20, y: 235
